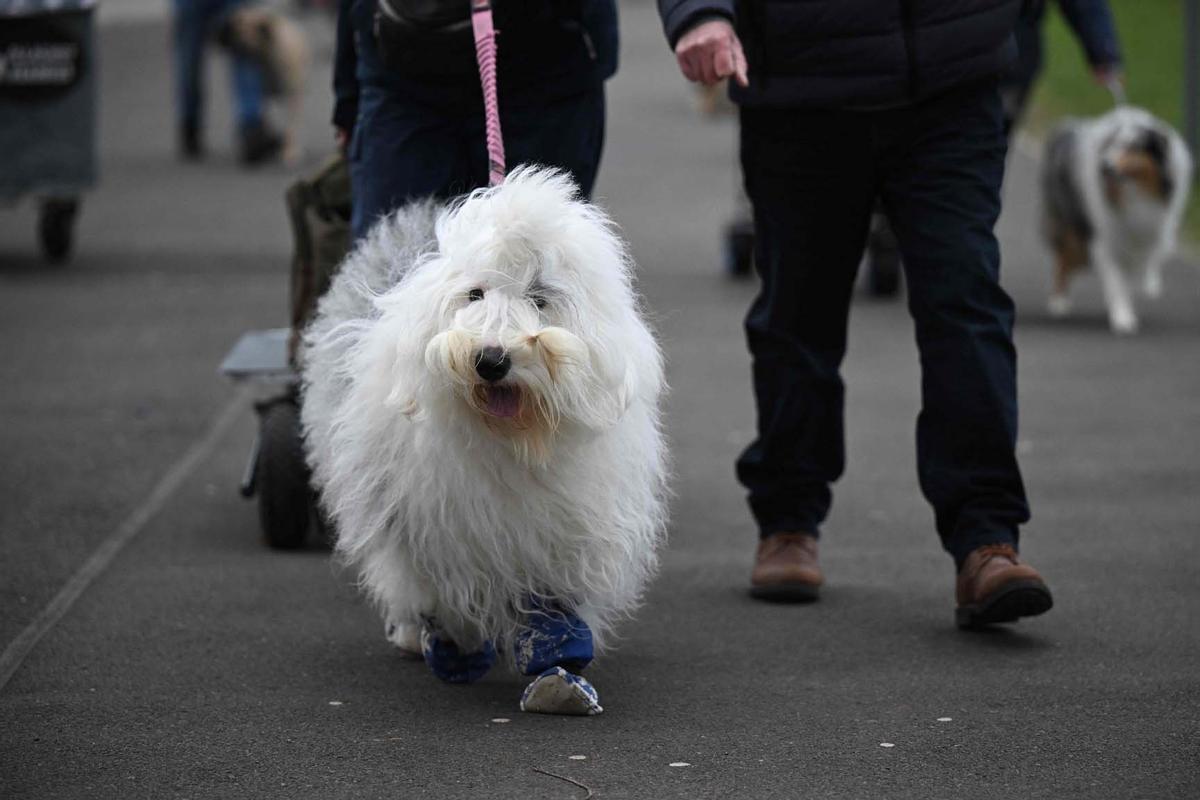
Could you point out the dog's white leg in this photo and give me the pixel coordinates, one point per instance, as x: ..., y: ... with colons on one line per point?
x: 1152, y: 284
x: 1059, y: 304
x: 1121, y: 316
x: 402, y: 599
x: 405, y: 635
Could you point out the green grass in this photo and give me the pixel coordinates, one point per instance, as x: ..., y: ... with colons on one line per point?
x: 1151, y: 33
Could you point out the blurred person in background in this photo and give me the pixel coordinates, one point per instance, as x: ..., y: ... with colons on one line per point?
x: 409, y: 107
x: 1092, y: 23
x: 844, y: 102
x: 195, y: 23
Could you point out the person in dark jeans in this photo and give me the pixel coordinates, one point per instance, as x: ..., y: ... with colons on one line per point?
x: 1093, y: 25
x: 194, y: 23
x: 413, y: 123
x: 844, y: 102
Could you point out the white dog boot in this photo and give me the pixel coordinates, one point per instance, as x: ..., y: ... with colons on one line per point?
x: 557, y: 691
x: 406, y: 636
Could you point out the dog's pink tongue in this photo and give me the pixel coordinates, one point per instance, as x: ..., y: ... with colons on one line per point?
x: 503, y: 401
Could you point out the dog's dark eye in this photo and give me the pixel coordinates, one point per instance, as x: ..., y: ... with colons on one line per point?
x: 475, y: 294
x: 539, y: 300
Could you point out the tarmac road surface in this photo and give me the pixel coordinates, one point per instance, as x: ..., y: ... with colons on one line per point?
x: 193, y: 662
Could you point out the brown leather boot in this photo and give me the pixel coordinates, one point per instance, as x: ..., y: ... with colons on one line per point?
x: 785, y: 568
x: 994, y: 586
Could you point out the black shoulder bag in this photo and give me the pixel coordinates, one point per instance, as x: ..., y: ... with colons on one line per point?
x: 425, y: 37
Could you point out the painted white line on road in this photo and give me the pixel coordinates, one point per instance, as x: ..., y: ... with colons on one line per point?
x: 16, y: 652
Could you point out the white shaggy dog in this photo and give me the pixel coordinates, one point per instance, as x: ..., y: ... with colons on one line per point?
x: 481, y: 413
x: 1114, y: 191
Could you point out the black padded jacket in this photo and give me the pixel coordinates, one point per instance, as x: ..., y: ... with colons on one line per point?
x: 857, y: 53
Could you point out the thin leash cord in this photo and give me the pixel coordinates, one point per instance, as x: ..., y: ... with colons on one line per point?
x: 1117, y: 90
x: 485, y: 55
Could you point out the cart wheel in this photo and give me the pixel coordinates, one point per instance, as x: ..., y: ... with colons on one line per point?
x: 285, y: 500
x: 56, y: 222
x: 739, y: 249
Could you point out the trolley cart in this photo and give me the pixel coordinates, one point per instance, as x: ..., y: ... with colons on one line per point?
x: 48, y: 112
x: 319, y: 212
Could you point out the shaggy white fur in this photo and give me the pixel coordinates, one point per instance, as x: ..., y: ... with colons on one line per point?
x: 458, y: 498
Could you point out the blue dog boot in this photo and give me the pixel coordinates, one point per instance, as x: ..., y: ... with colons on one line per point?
x: 552, y: 638
x: 451, y: 665
x: 557, y: 691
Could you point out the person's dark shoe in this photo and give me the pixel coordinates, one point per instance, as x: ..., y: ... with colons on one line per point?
x: 191, y: 148
x: 259, y: 144
x: 785, y: 569
x: 995, y: 587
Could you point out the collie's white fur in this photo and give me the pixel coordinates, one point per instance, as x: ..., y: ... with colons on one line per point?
x: 448, y: 510
x: 1115, y: 189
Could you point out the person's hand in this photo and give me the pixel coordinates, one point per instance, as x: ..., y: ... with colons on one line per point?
x: 1108, y: 75
x: 711, y: 51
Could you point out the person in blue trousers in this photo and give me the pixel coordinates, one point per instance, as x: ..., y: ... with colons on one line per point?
x: 195, y: 22
x: 412, y: 124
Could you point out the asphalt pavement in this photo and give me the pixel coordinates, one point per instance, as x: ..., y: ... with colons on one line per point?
x: 156, y: 649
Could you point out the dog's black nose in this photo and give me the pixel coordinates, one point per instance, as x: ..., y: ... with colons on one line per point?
x: 492, y: 363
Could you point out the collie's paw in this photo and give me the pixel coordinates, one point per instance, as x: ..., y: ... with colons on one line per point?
x: 557, y: 691
x: 451, y: 664
x: 1059, y: 305
x: 1123, y: 323
x: 406, y: 636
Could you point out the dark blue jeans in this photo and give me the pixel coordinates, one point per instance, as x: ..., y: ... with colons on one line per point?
x: 813, y: 177
x: 194, y: 23
x: 403, y: 150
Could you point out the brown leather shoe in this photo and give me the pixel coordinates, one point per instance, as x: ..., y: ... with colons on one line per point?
x: 785, y: 568
x: 994, y: 586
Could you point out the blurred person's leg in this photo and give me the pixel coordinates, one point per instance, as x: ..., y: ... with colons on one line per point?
x: 189, y: 31
x: 941, y: 172
x: 402, y: 151
x: 258, y: 142
x: 810, y: 180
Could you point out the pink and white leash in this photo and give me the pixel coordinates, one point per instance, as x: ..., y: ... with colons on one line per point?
x: 485, y: 55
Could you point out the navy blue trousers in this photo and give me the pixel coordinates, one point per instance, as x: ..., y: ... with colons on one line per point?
x: 403, y: 150
x: 813, y: 178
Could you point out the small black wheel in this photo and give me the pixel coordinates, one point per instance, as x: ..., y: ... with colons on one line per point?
x: 56, y: 222
x: 285, y: 499
x: 739, y: 249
